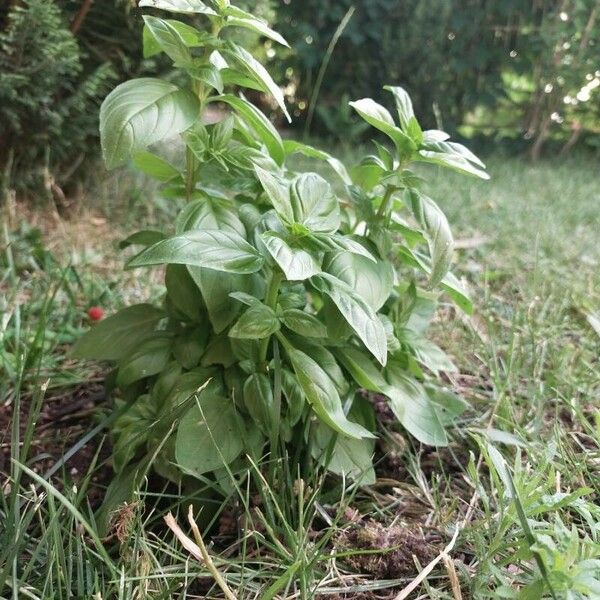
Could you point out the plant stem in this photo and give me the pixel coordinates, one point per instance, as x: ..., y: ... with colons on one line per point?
x: 270, y: 301
x: 383, y: 207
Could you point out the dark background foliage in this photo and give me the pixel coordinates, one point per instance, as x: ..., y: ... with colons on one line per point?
x: 525, y: 73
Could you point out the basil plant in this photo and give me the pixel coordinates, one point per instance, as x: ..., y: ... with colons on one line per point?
x: 288, y: 294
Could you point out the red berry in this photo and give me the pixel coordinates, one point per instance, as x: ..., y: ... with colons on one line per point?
x: 95, y: 313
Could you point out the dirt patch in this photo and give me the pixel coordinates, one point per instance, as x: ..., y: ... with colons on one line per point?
x: 65, y: 417
x: 389, y: 552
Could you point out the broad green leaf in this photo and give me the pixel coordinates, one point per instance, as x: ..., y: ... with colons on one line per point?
x: 209, y: 214
x: 322, y: 395
x: 296, y: 263
x: 278, y: 191
x: 403, y: 105
x: 380, y: 118
x: 191, y: 37
x: 457, y: 292
x: 257, y: 26
x: 258, y: 399
x: 156, y: 167
x: 116, y: 336
x: 427, y: 353
x: 141, y: 112
x: 179, y: 6
x: 208, y: 74
x: 244, y: 298
x: 349, y: 458
x: 294, y: 395
x: 434, y: 135
x: 218, y: 250
x: 363, y: 371
x: 359, y: 315
x: 409, y: 400
x: 456, y: 149
x: 257, y: 322
x: 413, y: 408
x: 303, y: 323
x: 373, y: 281
x: 209, y: 435
x: 292, y: 146
x: 347, y: 243
x: 146, y: 237
x: 216, y: 288
x: 189, y: 346
x: 438, y: 234
x: 313, y: 203
x: 183, y: 292
x: 259, y: 123
x: 150, y: 357
x: 246, y: 61
x: 455, y: 161
x: 449, y: 283
x: 168, y: 38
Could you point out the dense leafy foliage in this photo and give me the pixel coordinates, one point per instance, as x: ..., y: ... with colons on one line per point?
x: 50, y: 88
x: 286, y: 293
x: 509, y: 69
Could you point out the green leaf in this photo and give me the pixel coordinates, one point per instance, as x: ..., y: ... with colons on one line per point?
x: 322, y: 395
x: 455, y: 156
x: 216, y: 288
x: 209, y: 435
x: 296, y: 263
x: 257, y: 322
x: 246, y: 61
x: 116, y: 336
x: 413, y: 407
x: 349, y: 457
x: 146, y: 237
x: 210, y: 75
x: 294, y: 395
x: 303, y: 323
x: 428, y: 354
x: 259, y: 123
x: 403, y: 105
x: 141, y: 112
x: 313, y: 203
x: 277, y: 190
x: 168, y: 38
x: 192, y: 38
x: 189, y: 346
x: 210, y: 214
x: 409, y: 400
x: 156, y: 167
x: 359, y: 315
x: 179, y: 6
x: 363, y: 371
x: 438, y: 235
x: 150, y: 357
x: 457, y: 292
x: 373, y: 281
x: 256, y: 25
x: 218, y: 250
x: 292, y: 146
x: 258, y: 399
x: 183, y: 292
x: 380, y: 118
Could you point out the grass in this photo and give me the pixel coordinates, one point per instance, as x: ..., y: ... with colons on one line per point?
x: 520, y: 484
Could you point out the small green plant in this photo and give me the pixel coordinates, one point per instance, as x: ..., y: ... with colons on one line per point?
x: 283, y: 298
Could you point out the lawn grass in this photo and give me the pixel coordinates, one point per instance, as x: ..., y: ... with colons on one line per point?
x: 528, y: 365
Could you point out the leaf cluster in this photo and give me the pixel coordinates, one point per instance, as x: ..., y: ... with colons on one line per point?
x: 284, y: 297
